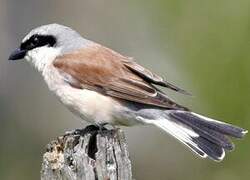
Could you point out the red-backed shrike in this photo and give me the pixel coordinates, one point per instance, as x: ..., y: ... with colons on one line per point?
x: 102, y: 86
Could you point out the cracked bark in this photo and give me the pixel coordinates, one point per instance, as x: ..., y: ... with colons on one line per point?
x: 87, y: 154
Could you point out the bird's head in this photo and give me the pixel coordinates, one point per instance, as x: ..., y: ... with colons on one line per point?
x: 43, y: 44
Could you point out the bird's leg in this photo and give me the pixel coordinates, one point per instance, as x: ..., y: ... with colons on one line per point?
x: 88, y: 129
x: 102, y: 127
x: 93, y: 130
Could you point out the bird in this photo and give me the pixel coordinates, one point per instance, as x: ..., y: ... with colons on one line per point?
x: 102, y: 86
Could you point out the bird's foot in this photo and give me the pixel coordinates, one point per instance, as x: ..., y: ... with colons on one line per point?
x: 91, y: 129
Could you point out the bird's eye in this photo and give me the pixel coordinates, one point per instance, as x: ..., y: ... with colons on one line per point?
x: 32, y: 43
x: 36, y: 40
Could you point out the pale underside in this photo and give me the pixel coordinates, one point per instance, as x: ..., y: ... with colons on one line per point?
x: 89, y: 86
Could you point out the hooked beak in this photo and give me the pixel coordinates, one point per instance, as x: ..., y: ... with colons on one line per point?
x: 17, y: 54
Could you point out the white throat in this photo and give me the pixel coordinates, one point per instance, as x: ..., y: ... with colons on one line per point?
x: 42, y: 57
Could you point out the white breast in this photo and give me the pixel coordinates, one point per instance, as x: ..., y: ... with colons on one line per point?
x: 89, y: 105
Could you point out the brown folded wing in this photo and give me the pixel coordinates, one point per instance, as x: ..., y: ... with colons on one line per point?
x: 100, y: 69
x: 151, y: 77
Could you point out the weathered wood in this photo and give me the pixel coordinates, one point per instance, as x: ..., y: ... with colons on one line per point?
x: 87, y: 154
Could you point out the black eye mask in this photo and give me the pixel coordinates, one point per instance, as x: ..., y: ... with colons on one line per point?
x: 38, y: 41
x: 33, y: 42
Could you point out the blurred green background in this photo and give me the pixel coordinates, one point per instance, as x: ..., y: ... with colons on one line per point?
x: 202, y: 46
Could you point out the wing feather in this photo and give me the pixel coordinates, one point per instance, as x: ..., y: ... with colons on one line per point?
x: 100, y: 69
x: 151, y: 77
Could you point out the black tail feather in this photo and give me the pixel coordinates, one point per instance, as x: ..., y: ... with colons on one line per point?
x: 213, y: 135
x: 214, y: 151
x: 204, y: 131
x: 221, y: 127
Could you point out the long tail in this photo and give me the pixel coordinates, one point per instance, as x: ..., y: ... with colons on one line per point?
x: 204, y: 136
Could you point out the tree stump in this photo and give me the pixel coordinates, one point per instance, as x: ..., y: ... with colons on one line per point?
x: 87, y: 154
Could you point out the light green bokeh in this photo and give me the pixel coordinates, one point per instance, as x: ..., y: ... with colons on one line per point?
x: 203, y: 46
